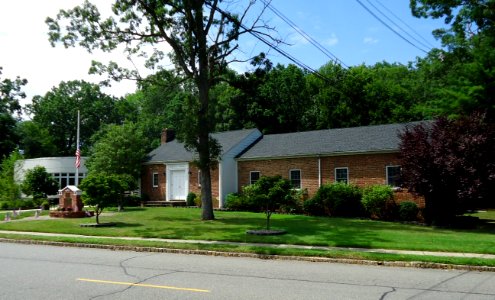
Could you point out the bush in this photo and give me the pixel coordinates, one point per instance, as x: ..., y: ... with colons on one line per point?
x: 244, y: 201
x: 314, y: 207
x: 408, y: 211
x: 191, y: 199
x: 337, y: 199
x: 378, y: 201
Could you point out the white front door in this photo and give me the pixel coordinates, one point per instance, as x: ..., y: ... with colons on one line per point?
x: 177, y: 177
x: 177, y: 185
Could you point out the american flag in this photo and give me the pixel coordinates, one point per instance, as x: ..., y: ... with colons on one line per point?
x: 78, y: 158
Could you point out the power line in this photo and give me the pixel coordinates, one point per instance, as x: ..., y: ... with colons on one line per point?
x: 304, y: 34
x: 390, y: 27
x: 430, y: 45
x: 275, y: 47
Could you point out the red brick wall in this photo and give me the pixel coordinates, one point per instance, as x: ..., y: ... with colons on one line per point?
x: 194, y: 180
x: 363, y: 170
x: 153, y: 193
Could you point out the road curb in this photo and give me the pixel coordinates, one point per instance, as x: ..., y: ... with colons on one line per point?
x: 404, y: 264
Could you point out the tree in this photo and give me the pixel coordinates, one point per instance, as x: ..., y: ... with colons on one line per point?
x: 10, y: 93
x: 118, y: 150
x: 451, y: 164
x: 56, y: 111
x: 271, y: 192
x: 9, y: 189
x: 201, y: 35
x: 35, y: 141
x: 466, y: 81
x: 101, y: 191
x: 39, y: 183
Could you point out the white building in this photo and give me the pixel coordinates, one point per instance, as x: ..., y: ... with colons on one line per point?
x: 62, y: 169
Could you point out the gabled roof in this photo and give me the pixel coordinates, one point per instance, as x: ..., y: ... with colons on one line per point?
x: 174, y: 150
x: 365, y: 139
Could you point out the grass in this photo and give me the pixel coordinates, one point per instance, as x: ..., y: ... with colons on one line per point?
x: 181, y: 223
x: 340, y: 254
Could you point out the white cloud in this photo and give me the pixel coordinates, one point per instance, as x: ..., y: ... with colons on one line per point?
x: 331, y: 41
x: 370, y: 40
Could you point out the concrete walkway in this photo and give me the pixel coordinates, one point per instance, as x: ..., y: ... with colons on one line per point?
x: 282, y: 246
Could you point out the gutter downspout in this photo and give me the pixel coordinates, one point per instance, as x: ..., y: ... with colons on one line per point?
x: 319, y: 171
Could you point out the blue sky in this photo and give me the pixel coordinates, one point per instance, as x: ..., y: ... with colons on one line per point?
x: 350, y: 32
x: 343, y: 27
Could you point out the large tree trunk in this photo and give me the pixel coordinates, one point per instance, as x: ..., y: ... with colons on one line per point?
x: 204, y: 123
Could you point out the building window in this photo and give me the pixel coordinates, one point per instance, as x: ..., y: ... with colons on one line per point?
x: 342, y: 175
x: 393, y: 176
x: 199, y: 178
x: 155, y: 179
x: 295, y: 178
x: 254, y: 176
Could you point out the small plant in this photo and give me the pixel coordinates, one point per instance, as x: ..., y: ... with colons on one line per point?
x: 378, y: 201
x: 408, y: 211
x: 191, y: 199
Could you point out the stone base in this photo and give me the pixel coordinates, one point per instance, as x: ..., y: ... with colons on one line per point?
x: 71, y: 214
x: 266, y: 232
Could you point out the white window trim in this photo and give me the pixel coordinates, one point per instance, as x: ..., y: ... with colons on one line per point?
x: 335, y: 174
x: 250, y: 173
x: 153, y: 179
x: 300, y: 178
x: 386, y: 175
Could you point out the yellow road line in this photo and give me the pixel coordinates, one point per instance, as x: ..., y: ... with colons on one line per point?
x: 144, y: 285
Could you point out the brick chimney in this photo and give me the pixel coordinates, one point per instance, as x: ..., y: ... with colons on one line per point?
x: 167, y: 135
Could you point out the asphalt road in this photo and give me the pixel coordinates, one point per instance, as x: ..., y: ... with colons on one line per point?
x: 46, y: 272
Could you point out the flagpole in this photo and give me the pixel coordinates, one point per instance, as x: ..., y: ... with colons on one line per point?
x: 77, y: 150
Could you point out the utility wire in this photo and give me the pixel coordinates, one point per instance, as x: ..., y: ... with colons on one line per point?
x: 304, y: 34
x: 398, y: 26
x: 276, y: 48
x: 430, y: 45
x: 390, y: 27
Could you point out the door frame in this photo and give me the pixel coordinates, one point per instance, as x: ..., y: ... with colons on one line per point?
x: 176, y: 167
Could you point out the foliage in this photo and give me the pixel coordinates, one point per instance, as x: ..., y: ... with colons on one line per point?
x: 451, y: 164
x: 191, y: 199
x: 408, y: 211
x: 202, y: 36
x: 10, y: 93
x: 101, y: 191
x: 337, y: 200
x: 9, y: 189
x: 56, y: 112
x: 378, y: 201
x: 35, y: 140
x: 39, y: 183
x: 118, y: 150
x: 268, y: 194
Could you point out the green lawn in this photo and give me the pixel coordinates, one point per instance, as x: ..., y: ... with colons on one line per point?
x: 185, y: 223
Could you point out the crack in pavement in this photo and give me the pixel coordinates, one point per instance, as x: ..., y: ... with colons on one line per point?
x: 432, y: 288
x: 388, y: 292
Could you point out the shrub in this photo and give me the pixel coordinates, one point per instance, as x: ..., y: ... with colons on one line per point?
x: 378, y: 201
x: 314, y: 207
x: 337, y: 199
x: 408, y: 211
x: 191, y: 199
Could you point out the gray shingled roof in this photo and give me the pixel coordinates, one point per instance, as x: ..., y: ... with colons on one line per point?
x: 174, y: 151
x: 379, y: 138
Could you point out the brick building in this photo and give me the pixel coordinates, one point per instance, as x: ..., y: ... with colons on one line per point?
x: 360, y: 155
